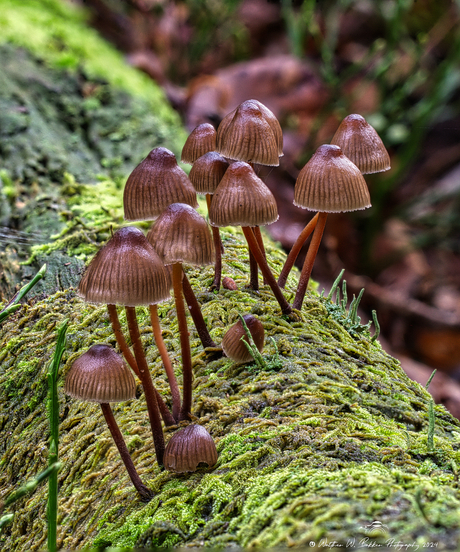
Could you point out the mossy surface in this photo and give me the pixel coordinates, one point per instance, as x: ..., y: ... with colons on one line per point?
x: 323, y: 442
x: 69, y: 105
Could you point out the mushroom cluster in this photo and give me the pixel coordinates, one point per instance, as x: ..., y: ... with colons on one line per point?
x: 133, y: 269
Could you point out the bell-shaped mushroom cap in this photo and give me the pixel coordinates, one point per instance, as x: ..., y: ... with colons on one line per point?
x: 233, y: 341
x: 362, y: 145
x: 242, y: 199
x: 100, y: 375
x: 154, y: 184
x: 126, y: 271
x: 207, y: 172
x: 246, y: 135
x: 201, y: 140
x: 189, y: 447
x: 331, y: 183
x: 181, y: 235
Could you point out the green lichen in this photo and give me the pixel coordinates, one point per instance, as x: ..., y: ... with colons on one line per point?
x: 333, y: 439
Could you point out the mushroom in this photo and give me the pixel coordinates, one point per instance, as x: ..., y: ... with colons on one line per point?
x: 154, y: 184
x: 328, y: 183
x: 206, y: 174
x: 235, y: 339
x: 101, y: 376
x: 127, y: 271
x: 242, y: 199
x: 181, y: 235
x: 251, y: 133
x: 201, y: 140
x: 188, y: 448
x: 360, y: 142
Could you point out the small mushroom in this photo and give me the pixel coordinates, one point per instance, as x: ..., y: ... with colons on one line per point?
x: 181, y: 235
x: 101, y: 376
x: 188, y: 448
x: 328, y: 183
x: 235, y: 339
x: 242, y: 199
x: 201, y: 140
x: 360, y: 142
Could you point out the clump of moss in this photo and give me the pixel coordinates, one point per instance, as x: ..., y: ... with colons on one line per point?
x: 333, y: 439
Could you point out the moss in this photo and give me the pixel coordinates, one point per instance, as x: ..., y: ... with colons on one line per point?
x: 333, y: 439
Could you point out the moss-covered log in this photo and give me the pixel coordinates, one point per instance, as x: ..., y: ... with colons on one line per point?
x: 328, y: 438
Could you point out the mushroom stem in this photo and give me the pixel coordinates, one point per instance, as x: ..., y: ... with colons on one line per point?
x: 260, y: 242
x: 185, y: 344
x: 129, y: 357
x: 125, y: 350
x: 265, y: 269
x: 175, y: 393
x: 295, y: 250
x: 197, y: 315
x: 145, y: 493
x: 253, y: 271
x: 147, y: 384
x: 219, y: 250
x: 309, y: 261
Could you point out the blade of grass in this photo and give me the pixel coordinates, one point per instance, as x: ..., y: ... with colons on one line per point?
x: 53, y: 412
x: 13, y: 304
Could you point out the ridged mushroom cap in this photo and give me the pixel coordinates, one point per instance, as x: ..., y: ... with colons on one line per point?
x: 181, y: 235
x: 154, y: 184
x: 207, y: 172
x: 189, y: 447
x: 201, y: 140
x: 242, y: 199
x: 233, y: 341
x: 100, y: 375
x: 331, y: 183
x: 360, y: 142
x: 245, y: 134
x: 126, y: 271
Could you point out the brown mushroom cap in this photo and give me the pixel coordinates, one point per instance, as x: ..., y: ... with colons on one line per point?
x: 189, y: 447
x: 242, y: 199
x: 201, y: 140
x: 362, y: 145
x: 331, y: 183
x: 100, y: 375
x: 181, y: 235
x: 207, y: 172
x: 233, y: 341
x: 154, y: 184
x: 126, y: 271
x: 246, y: 135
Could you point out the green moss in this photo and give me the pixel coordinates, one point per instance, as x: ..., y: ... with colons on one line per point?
x: 333, y: 439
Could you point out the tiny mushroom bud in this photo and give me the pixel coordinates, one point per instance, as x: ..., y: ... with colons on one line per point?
x: 235, y: 338
x: 188, y: 448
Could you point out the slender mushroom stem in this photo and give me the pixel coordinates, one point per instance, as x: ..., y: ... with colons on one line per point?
x: 147, y: 384
x: 309, y: 261
x: 185, y: 344
x: 145, y: 493
x: 265, y: 269
x: 253, y: 271
x: 197, y: 315
x: 295, y: 250
x: 175, y: 393
x: 129, y: 357
x: 125, y: 350
x: 219, y: 250
x: 260, y: 242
